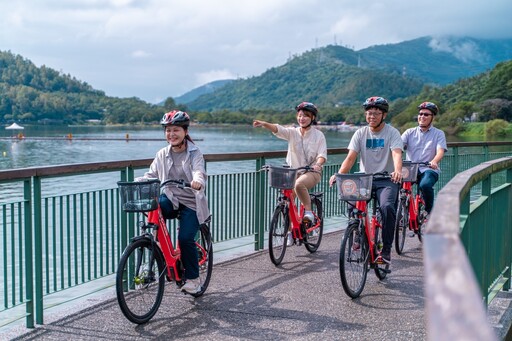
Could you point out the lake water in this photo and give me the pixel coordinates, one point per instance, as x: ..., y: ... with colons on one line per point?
x: 33, y: 152
x: 46, y: 145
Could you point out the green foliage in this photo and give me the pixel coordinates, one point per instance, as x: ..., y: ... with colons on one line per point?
x: 497, y: 128
x: 29, y: 93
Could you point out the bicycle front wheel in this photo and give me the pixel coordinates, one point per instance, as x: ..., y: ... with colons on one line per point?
x: 401, y: 225
x: 277, y: 234
x: 353, y: 263
x: 205, y: 255
x: 140, y: 280
x: 314, y: 237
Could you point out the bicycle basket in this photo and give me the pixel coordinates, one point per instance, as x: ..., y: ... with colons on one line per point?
x: 281, y: 177
x: 409, y: 171
x: 139, y: 196
x: 354, y: 187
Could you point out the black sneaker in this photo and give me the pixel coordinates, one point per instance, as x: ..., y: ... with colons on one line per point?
x: 386, y: 256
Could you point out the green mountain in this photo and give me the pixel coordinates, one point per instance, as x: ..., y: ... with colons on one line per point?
x: 41, y: 94
x: 481, y: 98
x: 335, y: 75
x: 204, y: 89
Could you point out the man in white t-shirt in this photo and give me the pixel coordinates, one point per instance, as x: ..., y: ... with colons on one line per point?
x: 379, y: 147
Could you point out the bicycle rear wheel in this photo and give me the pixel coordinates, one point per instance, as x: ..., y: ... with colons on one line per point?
x: 205, y: 255
x: 353, y: 261
x: 277, y: 234
x: 140, y: 280
x: 381, y: 270
x: 314, y: 237
x: 422, y: 214
x: 401, y: 224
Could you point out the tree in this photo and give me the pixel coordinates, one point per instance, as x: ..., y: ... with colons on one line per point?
x: 169, y: 104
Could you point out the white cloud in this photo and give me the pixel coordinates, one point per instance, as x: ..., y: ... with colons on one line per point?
x: 464, y: 51
x: 159, y: 48
x: 140, y: 54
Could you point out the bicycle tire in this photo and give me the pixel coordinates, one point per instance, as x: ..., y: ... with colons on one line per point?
x: 314, y: 238
x: 401, y: 225
x: 381, y: 270
x: 139, y: 284
x: 421, y: 219
x: 277, y: 234
x: 205, y: 254
x: 353, y: 261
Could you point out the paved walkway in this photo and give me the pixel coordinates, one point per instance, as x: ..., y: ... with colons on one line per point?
x: 250, y: 298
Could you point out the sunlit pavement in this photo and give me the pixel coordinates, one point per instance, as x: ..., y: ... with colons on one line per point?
x: 250, y: 298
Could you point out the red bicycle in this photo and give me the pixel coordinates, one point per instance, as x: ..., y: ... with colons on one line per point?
x: 150, y: 258
x: 410, y: 214
x: 287, y: 218
x: 362, y: 241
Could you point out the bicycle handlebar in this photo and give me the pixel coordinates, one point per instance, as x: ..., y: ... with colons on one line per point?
x: 417, y: 163
x: 306, y: 168
x: 180, y: 183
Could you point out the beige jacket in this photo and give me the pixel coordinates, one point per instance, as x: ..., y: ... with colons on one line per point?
x: 194, y: 169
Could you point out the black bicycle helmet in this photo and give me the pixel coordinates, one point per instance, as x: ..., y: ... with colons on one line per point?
x: 376, y: 102
x: 175, y: 118
x: 430, y: 106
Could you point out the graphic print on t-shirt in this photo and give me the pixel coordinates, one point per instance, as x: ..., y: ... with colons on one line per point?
x: 375, y: 144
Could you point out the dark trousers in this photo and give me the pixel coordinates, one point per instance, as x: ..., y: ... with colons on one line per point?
x: 189, y: 225
x: 386, y: 192
x: 426, y: 181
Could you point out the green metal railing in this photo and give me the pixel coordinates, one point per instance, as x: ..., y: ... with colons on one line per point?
x: 467, y: 252
x: 55, y: 239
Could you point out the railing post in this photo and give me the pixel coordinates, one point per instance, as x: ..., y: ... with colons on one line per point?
x: 455, y: 164
x: 486, y: 192
x: 38, y: 250
x: 29, y: 264
x: 259, y: 236
x: 127, y: 174
x: 508, y: 252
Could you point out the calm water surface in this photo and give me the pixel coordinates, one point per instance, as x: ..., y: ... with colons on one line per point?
x: 33, y: 152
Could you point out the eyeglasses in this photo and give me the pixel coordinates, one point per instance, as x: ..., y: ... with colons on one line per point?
x: 424, y: 114
x: 373, y: 113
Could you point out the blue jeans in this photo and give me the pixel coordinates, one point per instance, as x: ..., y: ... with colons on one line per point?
x: 386, y: 192
x: 189, y: 225
x: 426, y: 182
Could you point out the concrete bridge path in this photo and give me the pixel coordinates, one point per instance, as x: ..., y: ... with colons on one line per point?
x: 251, y: 299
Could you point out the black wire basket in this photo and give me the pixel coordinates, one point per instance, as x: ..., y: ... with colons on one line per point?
x: 139, y: 196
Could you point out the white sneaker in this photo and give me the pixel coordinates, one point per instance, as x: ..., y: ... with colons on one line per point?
x: 192, y: 286
x: 308, y: 215
x: 289, y: 241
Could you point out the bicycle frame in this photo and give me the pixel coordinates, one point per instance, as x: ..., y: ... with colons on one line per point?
x: 296, y: 217
x: 370, y: 225
x: 163, y: 240
x: 414, y: 202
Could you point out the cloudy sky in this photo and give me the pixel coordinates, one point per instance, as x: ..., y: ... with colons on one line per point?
x: 153, y: 49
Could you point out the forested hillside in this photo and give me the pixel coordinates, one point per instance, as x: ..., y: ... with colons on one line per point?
x: 482, y: 98
x: 335, y: 75
x: 41, y: 94
x: 336, y: 78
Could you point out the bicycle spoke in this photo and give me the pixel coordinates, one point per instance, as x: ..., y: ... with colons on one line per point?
x: 314, y: 233
x: 277, y: 234
x: 353, y: 260
x: 140, y: 281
